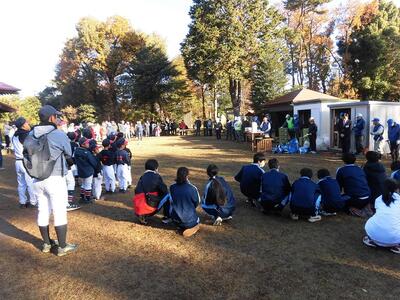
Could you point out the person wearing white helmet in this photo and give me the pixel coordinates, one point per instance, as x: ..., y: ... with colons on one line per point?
x: 359, y: 132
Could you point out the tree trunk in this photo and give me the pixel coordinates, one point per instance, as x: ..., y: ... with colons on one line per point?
x: 215, y: 104
x: 235, y: 91
x: 203, y: 98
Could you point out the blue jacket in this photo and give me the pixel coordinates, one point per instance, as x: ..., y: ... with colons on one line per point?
x: 122, y: 157
x: 185, y: 198
x: 86, y: 162
x: 250, y: 180
x: 275, y: 186
x: 395, y: 175
x: 151, y: 182
x: 330, y: 193
x: 394, y: 133
x: 230, y: 198
x: 359, y: 127
x: 107, y: 157
x: 304, y: 193
x: 353, y: 181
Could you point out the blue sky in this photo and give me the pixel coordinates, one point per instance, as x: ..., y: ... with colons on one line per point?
x: 33, y: 32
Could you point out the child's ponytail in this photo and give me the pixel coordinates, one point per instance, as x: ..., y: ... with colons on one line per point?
x: 389, y: 187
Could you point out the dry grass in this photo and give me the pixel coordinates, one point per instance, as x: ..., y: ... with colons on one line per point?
x: 255, y: 256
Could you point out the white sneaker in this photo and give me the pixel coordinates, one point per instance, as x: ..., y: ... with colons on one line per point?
x: 67, y: 249
x: 227, y: 219
x: 218, y: 221
x: 327, y: 214
x: 313, y: 219
x: 294, y: 217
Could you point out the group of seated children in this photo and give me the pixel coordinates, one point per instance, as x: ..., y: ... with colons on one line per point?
x: 363, y: 192
x: 92, y: 167
x: 179, y: 205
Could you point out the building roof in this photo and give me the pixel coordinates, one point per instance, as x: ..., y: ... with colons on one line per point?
x: 6, y: 108
x: 7, y: 89
x: 299, y: 96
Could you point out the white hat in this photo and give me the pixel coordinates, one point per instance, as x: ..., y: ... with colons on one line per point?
x: 359, y: 115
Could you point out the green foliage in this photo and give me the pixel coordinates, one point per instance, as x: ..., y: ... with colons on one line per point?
x: 71, y: 113
x: 374, y: 49
x: 225, y: 40
x: 26, y: 107
x: 87, y: 113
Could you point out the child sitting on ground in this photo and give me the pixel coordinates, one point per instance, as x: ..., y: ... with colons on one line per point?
x: 185, y: 198
x: 331, y: 199
x: 383, y: 228
x: 275, y: 188
x: 376, y: 175
x: 353, y: 182
x: 305, y: 199
x: 250, y: 178
x: 395, y: 167
x: 218, y: 200
x: 151, y: 193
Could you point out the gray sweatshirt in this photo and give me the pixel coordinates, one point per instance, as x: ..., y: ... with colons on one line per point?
x: 59, y: 147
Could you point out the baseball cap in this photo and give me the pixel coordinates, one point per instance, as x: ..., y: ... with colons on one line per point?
x: 83, y: 141
x: 359, y: 115
x: 47, y: 111
x: 121, y: 142
x: 375, y: 120
x: 20, y: 122
x: 390, y: 121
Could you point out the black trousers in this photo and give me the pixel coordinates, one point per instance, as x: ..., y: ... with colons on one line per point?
x: 218, y: 134
x: 313, y: 143
x: 394, y: 151
x: 345, y: 141
x: 359, y: 143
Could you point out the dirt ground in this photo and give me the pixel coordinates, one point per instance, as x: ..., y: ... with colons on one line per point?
x: 253, y: 257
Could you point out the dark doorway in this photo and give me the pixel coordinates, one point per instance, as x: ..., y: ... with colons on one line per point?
x: 304, y: 116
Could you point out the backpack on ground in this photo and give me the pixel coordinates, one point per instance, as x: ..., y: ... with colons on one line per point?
x: 37, y: 159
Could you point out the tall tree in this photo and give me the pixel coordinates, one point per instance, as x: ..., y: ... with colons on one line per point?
x: 372, y: 52
x: 224, y: 39
x: 92, y: 62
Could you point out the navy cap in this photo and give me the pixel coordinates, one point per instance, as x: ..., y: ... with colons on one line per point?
x: 375, y: 120
x: 46, y: 112
x: 20, y: 122
x: 71, y: 136
x: 87, y: 133
x: 83, y: 140
x: 120, y: 142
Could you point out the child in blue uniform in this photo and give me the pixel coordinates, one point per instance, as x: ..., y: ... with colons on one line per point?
x: 152, y: 182
x: 332, y: 200
x: 107, y: 158
x: 185, y: 198
x: 305, y: 199
x: 353, y: 183
x: 275, y: 188
x: 376, y: 175
x: 250, y: 178
x: 218, y: 200
x: 86, y: 164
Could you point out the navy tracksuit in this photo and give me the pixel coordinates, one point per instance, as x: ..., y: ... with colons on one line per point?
x: 376, y: 175
x: 275, y: 190
x: 353, y: 182
x: 304, y: 198
x: 331, y: 197
x: 250, y: 180
x: 216, y: 210
x: 86, y: 162
x: 185, y: 199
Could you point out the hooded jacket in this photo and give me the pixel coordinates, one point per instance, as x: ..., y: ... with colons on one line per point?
x: 376, y: 176
x: 59, y: 145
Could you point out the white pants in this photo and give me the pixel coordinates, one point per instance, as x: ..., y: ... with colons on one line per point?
x: 70, y: 180
x: 24, y: 184
x: 122, y: 175
x: 74, y: 170
x: 96, y: 187
x: 109, y: 178
x: 129, y: 176
x: 87, y: 183
x: 378, y: 146
x: 52, y: 195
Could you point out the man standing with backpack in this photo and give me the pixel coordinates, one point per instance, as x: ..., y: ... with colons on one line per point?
x: 46, y: 152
